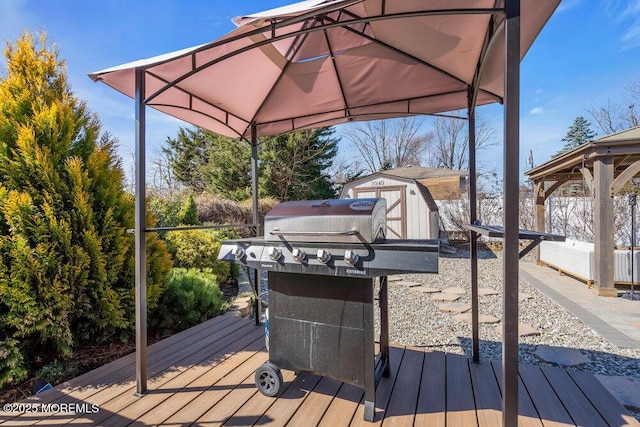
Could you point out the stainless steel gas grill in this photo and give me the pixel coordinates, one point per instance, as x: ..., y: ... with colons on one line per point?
x: 323, y: 258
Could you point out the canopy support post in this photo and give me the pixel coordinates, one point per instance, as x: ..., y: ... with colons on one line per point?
x: 473, y: 237
x: 256, y: 216
x: 540, y: 212
x: 140, y: 237
x: 511, y: 176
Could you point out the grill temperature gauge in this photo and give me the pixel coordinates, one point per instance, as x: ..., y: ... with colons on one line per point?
x: 351, y: 257
x: 323, y: 256
x: 298, y: 254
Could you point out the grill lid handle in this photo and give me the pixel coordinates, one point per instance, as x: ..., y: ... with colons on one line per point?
x: 278, y: 232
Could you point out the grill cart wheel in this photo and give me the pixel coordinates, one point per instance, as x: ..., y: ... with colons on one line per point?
x: 269, y: 379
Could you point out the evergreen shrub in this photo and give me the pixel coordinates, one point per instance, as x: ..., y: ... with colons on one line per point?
x: 192, y: 297
x: 197, y: 249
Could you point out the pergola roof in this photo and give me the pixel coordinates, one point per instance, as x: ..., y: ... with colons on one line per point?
x: 623, y: 147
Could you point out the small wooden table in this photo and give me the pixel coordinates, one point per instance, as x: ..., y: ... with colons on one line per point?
x: 535, y: 236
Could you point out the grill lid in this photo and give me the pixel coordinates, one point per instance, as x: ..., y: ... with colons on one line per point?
x: 335, y: 220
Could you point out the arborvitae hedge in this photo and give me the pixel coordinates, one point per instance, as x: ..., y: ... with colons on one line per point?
x: 66, y: 261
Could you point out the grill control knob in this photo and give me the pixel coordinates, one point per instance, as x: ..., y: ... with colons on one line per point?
x: 298, y: 254
x: 323, y: 256
x: 238, y: 252
x: 351, y: 257
x: 274, y: 253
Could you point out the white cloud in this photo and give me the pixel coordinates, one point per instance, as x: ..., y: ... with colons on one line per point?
x: 631, y: 37
x: 567, y: 4
x: 536, y: 110
x: 632, y: 9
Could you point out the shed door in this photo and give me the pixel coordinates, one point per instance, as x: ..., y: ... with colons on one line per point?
x: 396, y: 207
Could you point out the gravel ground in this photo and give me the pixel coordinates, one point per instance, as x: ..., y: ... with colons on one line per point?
x: 414, y: 319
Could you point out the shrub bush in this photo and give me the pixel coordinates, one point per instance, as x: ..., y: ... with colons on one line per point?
x: 58, y: 371
x: 197, y: 249
x: 192, y: 296
x: 212, y: 209
x: 66, y: 261
x: 166, y: 210
x: 189, y: 213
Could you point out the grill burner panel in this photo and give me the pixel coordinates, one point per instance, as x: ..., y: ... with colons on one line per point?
x: 373, y: 260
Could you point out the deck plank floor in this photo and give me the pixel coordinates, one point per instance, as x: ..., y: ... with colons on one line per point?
x: 204, y: 377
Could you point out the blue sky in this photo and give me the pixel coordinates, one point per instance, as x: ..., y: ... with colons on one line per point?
x: 585, y: 56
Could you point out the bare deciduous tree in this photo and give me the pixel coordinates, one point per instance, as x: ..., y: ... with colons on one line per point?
x: 389, y: 143
x: 617, y: 116
x: 450, y: 148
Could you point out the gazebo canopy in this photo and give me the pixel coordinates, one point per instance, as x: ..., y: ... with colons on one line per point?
x: 323, y: 62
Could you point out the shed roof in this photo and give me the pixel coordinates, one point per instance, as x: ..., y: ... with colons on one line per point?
x: 413, y: 173
x: 419, y: 172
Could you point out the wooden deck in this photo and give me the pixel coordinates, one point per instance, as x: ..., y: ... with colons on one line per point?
x: 204, y: 377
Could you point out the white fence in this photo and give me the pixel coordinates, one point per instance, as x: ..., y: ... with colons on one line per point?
x: 572, y: 217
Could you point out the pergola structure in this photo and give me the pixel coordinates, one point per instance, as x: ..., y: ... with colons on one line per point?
x: 324, y: 62
x: 605, y: 165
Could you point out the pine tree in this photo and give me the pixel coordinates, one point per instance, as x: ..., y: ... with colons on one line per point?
x: 292, y: 166
x: 579, y: 133
x: 295, y: 165
x: 66, y: 261
x: 187, y: 154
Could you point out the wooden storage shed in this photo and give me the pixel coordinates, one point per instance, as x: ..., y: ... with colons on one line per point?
x: 412, y: 212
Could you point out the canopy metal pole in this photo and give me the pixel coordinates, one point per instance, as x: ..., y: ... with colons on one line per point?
x: 140, y: 238
x: 473, y: 237
x: 256, y: 217
x: 511, y: 175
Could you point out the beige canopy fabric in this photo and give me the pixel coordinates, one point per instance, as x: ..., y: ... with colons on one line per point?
x: 320, y: 63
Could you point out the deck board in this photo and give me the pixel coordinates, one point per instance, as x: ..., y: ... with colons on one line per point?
x: 527, y: 415
x: 314, y: 406
x: 547, y: 404
x: 343, y: 407
x: 487, y: 394
x: 461, y: 408
x: 225, y: 398
x: 432, y: 404
x: 404, y: 398
x: 205, y: 377
x: 601, y: 399
x: 578, y: 406
x: 383, y: 391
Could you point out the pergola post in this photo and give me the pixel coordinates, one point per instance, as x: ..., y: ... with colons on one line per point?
x: 140, y: 237
x: 473, y: 237
x: 539, y: 212
x: 511, y: 177
x: 603, y: 170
